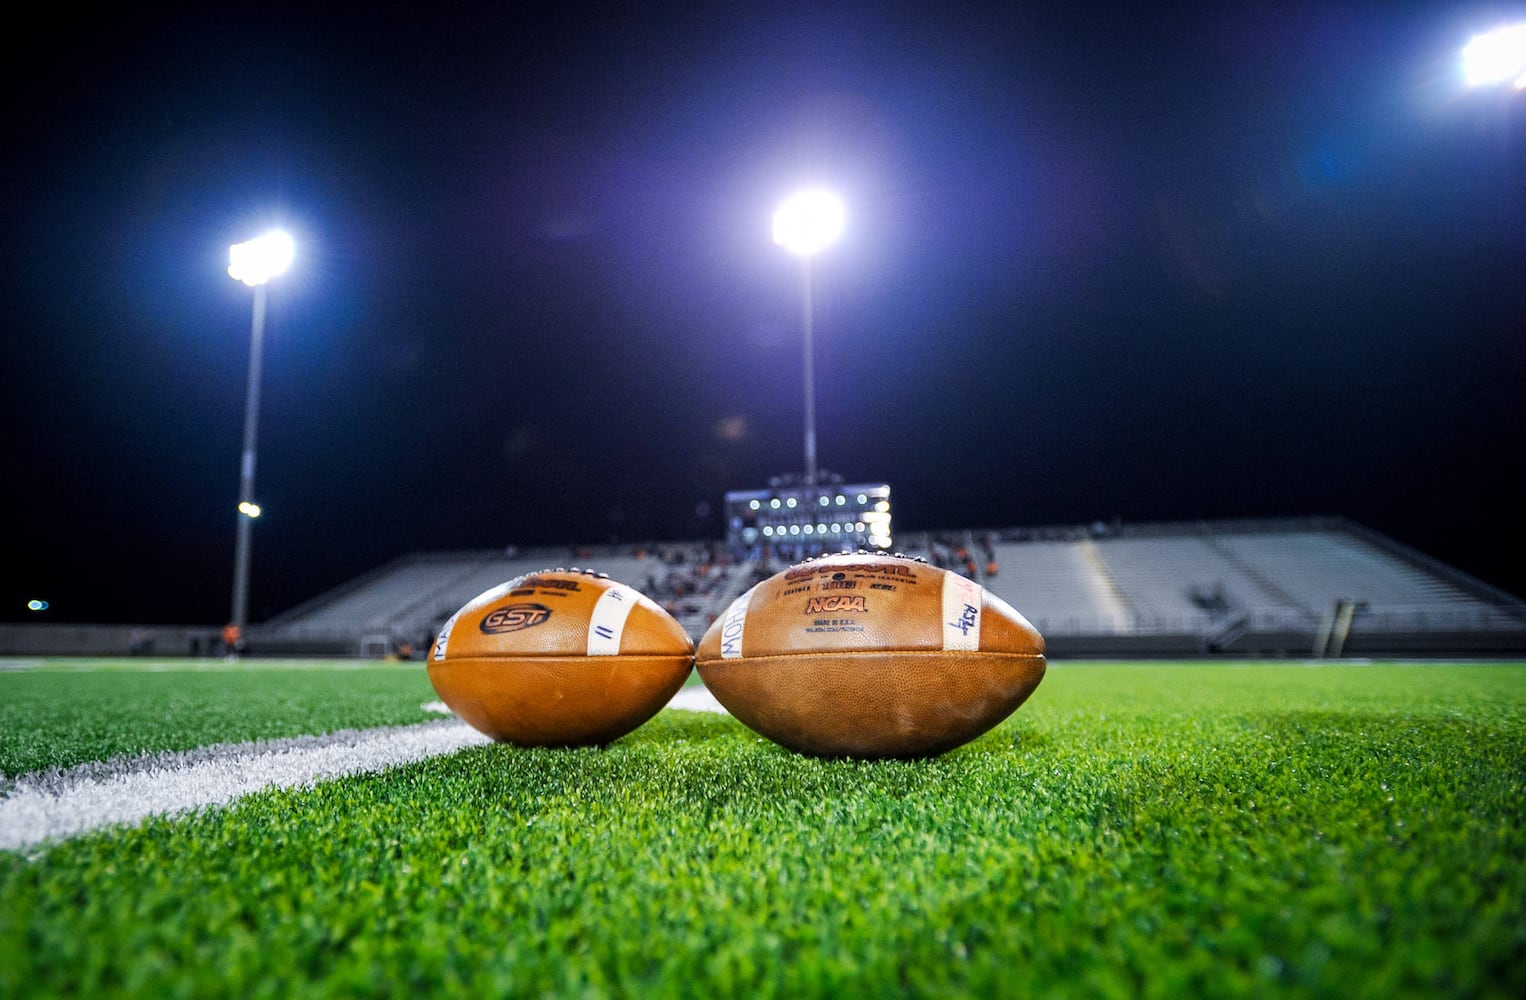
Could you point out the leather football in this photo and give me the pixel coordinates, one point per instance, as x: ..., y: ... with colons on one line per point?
x: 559, y: 658
x: 870, y: 656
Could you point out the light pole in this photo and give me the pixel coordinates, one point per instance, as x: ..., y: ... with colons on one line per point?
x: 805, y: 224
x: 254, y: 263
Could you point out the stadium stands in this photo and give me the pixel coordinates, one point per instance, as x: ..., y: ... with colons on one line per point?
x: 1283, y: 588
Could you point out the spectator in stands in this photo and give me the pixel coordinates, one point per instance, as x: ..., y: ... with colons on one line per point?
x: 233, y: 642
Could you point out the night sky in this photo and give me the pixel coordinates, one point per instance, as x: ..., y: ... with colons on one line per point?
x: 1233, y: 261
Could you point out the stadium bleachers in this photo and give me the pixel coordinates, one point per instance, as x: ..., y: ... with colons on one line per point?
x: 1234, y: 587
x: 1060, y: 586
x: 408, y: 600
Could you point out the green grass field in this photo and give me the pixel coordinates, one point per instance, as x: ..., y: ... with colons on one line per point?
x: 1157, y: 830
x: 83, y: 710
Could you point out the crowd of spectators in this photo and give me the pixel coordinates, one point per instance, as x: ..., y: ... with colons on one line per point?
x: 685, y: 578
x: 972, y: 555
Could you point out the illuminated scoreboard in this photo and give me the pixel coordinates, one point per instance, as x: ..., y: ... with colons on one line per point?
x: 809, y: 519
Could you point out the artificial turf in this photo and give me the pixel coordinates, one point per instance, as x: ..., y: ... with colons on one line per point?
x: 1135, y: 830
x: 64, y: 714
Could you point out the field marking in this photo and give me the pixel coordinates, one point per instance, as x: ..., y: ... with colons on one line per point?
x: 696, y: 699
x: 55, y: 805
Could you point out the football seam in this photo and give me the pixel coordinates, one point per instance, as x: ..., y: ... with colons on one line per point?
x: 870, y: 652
x: 564, y: 656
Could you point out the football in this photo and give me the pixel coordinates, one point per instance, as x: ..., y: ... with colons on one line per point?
x: 559, y: 658
x: 870, y: 656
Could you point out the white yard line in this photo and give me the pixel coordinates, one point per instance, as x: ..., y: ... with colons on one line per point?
x: 55, y: 805
x: 696, y: 699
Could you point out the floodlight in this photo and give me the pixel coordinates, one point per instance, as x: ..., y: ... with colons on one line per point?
x: 809, y: 221
x: 257, y: 261
x: 806, y: 223
x: 1496, y: 57
x: 254, y: 263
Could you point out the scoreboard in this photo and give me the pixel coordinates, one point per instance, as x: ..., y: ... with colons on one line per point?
x: 809, y: 520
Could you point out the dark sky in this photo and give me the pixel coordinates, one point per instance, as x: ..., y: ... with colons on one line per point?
x: 1102, y: 262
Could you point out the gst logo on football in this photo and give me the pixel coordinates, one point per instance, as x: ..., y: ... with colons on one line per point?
x: 967, y: 619
x: 514, y: 617
x: 836, y: 603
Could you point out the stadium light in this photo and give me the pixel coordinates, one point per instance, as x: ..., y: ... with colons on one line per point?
x: 806, y: 223
x: 257, y: 261
x: 254, y: 263
x: 1496, y: 57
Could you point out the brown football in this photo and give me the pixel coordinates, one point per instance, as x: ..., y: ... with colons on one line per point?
x: 559, y: 658
x: 870, y: 656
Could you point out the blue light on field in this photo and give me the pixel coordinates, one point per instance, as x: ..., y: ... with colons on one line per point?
x: 36, y: 605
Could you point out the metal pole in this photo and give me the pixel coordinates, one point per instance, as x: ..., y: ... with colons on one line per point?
x: 246, y: 467
x: 810, y: 381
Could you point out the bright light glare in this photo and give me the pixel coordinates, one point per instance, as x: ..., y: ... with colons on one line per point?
x: 259, y: 260
x: 1496, y: 56
x: 35, y: 605
x: 809, y: 222
x: 249, y: 509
